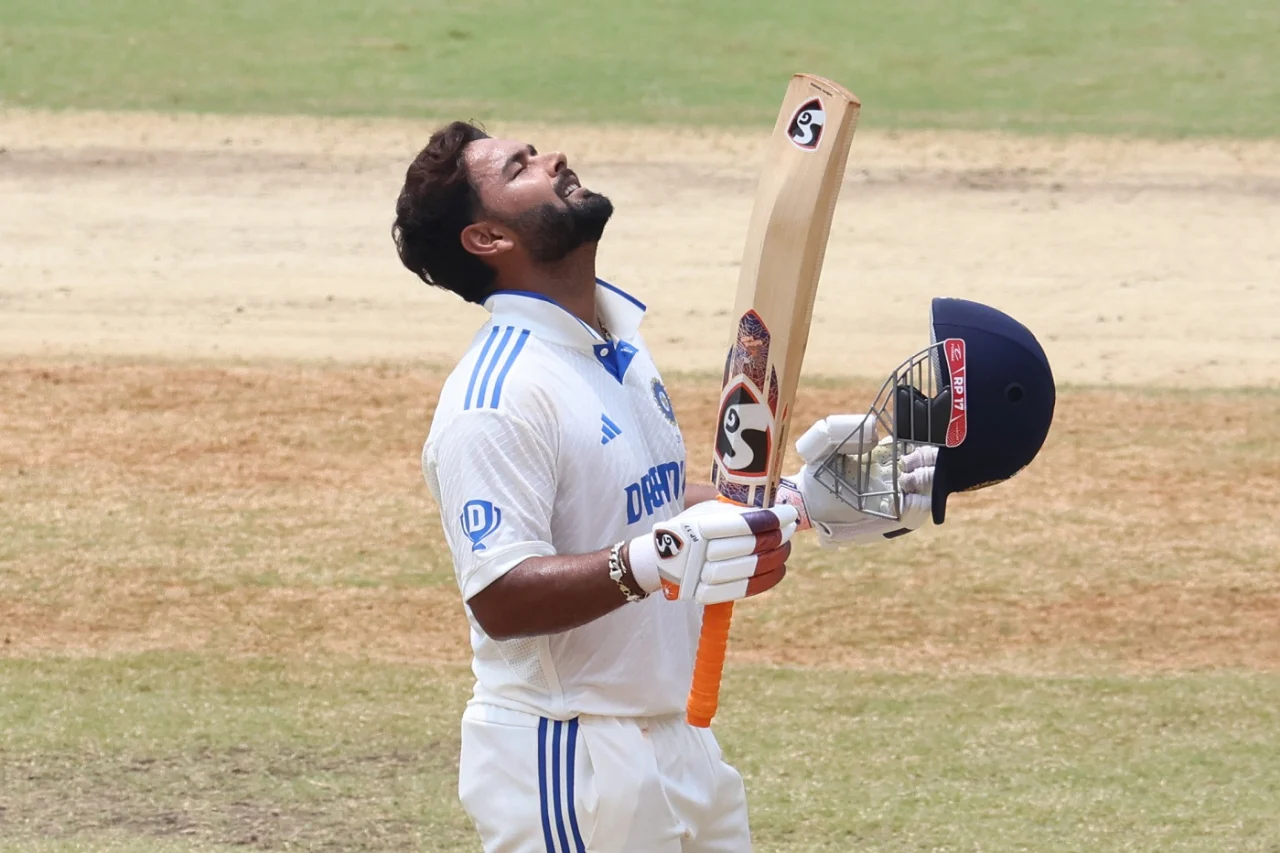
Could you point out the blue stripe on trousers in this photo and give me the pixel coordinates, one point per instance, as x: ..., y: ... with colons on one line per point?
x: 573, y: 809
x: 551, y: 745
x: 542, y: 785
x: 555, y: 786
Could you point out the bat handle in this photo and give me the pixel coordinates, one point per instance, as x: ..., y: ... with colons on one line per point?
x: 704, y: 694
x: 708, y: 666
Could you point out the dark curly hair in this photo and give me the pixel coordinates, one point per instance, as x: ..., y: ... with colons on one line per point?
x: 435, y: 204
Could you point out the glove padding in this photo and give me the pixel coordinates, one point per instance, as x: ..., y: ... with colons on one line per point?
x: 714, y: 552
x: 835, y: 520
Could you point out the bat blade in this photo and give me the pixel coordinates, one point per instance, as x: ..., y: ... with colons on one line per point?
x: 777, y: 284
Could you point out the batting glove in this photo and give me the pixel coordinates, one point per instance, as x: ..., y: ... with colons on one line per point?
x: 836, y: 520
x: 714, y: 552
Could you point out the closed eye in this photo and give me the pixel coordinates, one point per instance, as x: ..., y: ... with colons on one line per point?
x: 518, y: 161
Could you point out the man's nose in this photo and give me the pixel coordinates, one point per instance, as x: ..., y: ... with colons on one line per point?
x: 554, y: 162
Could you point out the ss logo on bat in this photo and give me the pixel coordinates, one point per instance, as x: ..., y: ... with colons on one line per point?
x: 806, y: 125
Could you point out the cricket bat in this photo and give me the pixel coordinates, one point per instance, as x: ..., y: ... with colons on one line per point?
x: 786, y: 240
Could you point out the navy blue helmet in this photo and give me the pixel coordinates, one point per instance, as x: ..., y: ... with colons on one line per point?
x: 1008, y: 397
x: 981, y: 392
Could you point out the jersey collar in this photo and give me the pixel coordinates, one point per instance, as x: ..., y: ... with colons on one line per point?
x: 546, y: 319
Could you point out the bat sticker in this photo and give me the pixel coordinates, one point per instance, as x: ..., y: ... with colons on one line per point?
x: 735, y: 492
x: 745, y: 426
x: 750, y: 354
x: 806, y: 125
x: 744, y: 432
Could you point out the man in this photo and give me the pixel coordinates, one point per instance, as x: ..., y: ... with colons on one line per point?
x: 559, y: 468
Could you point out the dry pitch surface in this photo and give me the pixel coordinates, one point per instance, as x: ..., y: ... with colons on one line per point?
x: 233, y: 239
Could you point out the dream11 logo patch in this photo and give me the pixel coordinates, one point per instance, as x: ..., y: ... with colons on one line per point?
x: 479, y: 520
x: 805, y: 129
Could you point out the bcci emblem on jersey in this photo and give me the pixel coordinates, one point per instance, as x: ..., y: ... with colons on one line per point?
x: 479, y: 520
x: 664, y: 402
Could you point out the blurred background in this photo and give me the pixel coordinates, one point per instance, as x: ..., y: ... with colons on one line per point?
x: 227, y: 615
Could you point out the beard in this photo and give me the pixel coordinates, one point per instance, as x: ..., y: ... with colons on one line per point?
x: 550, y: 231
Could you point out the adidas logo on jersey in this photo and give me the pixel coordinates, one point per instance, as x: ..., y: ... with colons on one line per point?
x: 609, y: 430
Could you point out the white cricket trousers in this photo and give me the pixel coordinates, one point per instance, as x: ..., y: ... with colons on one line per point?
x: 598, y: 785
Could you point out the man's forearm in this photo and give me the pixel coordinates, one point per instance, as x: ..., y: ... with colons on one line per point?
x: 696, y: 493
x: 547, y: 595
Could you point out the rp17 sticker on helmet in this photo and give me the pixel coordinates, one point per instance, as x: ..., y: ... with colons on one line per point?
x: 958, y: 426
x: 805, y: 129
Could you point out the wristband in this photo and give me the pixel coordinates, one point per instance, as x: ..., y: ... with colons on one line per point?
x: 642, y: 561
x: 618, y: 571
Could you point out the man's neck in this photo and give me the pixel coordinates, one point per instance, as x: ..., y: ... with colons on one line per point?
x: 571, y: 282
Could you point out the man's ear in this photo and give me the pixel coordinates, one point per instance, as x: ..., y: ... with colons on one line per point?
x: 486, y: 239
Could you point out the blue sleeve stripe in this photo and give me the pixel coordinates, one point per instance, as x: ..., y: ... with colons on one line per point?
x: 493, y: 362
x: 475, y: 371
x: 506, y: 368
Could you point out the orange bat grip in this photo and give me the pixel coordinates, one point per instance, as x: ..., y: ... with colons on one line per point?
x: 704, y: 695
x: 708, y: 666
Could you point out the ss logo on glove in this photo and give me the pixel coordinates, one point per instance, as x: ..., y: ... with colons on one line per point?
x: 714, y: 552
x: 667, y: 543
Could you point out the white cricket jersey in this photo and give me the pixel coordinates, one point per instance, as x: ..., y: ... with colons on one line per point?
x: 549, y: 440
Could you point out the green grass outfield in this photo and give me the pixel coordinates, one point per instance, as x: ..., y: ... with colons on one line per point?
x: 168, y: 752
x: 1148, y: 67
